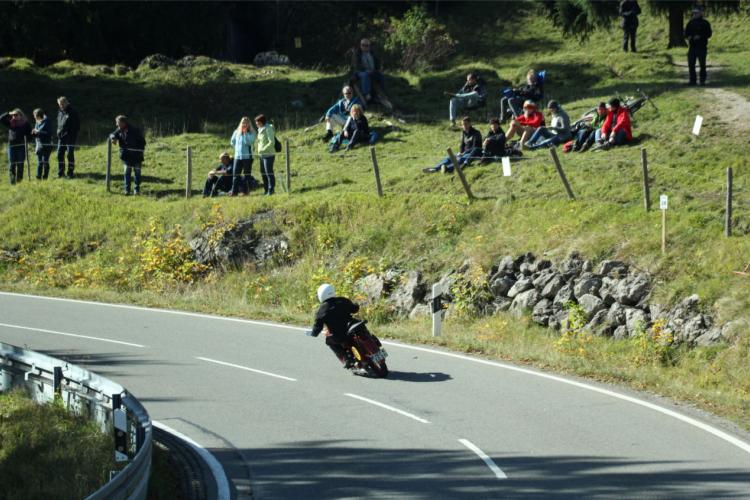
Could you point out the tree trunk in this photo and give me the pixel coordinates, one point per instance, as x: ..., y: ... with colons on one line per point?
x: 676, y: 33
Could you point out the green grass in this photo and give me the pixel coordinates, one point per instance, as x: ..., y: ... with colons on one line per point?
x: 45, y: 452
x: 77, y: 240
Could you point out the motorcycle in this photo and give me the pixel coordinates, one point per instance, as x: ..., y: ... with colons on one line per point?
x: 365, y: 350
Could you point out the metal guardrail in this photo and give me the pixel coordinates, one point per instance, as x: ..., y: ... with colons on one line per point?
x: 88, y: 394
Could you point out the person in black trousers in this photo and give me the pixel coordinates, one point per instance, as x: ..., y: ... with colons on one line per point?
x: 42, y: 132
x: 697, y: 32
x: 629, y: 11
x: 68, y: 125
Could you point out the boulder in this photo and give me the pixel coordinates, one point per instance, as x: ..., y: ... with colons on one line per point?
x: 616, y: 314
x: 632, y: 289
x: 156, y: 61
x: 507, y: 265
x: 692, y: 329
x: 591, y: 304
x: 599, y: 325
x: 520, y: 286
x: 635, y: 319
x: 607, y: 290
x: 621, y: 332
x: 713, y: 336
x: 501, y: 304
x: 613, y: 269
x: 527, y: 268
x: 563, y: 296
x: 541, y: 312
x: 524, y: 302
x: 587, y: 266
x: 542, y: 278
x: 501, y: 285
x: 552, y: 287
x: 573, y: 264
x: 541, y: 265
x: 371, y: 286
x: 558, y: 320
x: 420, y: 311
x: 270, y: 58
x: 410, y: 291
x: 587, y: 284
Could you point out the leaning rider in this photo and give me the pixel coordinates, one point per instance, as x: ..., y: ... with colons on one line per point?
x: 335, y: 313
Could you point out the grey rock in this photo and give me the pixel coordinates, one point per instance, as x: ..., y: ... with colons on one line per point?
x: 616, y: 314
x: 270, y: 58
x: 420, y: 311
x: 587, y: 266
x: 541, y: 265
x: 635, y: 319
x: 632, y: 289
x: 563, y: 296
x: 607, y: 291
x: 408, y: 293
x: 591, y: 304
x: 599, y: 324
x: 713, y: 336
x: 465, y: 266
x: 372, y: 287
x: 500, y: 286
x: 692, y: 329
x: 9, y: 256
x: 527, y: 268
x: 156, y: 61
x: 542, y: 278
x: 613, y: 269
x: 587, y: 284
x: 552, y: 287
x: 520, y: 286
x: 501, y: 304
x: 524, y: 302
x: 621, y: 332
x: 507, y: 265
x: 541, y: 312
x: 558, y: 320
x: 573, y: 264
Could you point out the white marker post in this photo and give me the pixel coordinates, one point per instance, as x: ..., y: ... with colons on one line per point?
x: 663, y: 205
x: 506, y: 166
x: 437, y: 310
x: 120, y: 422
x: 697, y: 125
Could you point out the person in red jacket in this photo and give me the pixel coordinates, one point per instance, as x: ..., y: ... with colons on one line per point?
x: 616, y: 130
x: 525, y: 124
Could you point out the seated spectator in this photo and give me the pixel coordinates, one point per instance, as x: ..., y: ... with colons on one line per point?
x: 367, y: 71
x: 511, y: 102
x: 470, y: 96
x: 557, y: 133
x: 493, y: 146
x: 587, y: 133
x: 42, y: 132
x: 220, y: 178
x: 616, y: 129
x: 525, y: 124
x: 339, y: 112
x: 356, y: 131
x: 469, y: 149
x: 19, y: 129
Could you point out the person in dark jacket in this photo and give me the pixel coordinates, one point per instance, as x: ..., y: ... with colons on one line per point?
x: 356, y: 131
x: 18, y: 130
x: 629, y: 12
x: 470, y: 96
x: 493, y: 146
x: 42, y: 132
x: 220, y: 178
x: 68, y: 125
x: 697, y: 32
x: 132, y: 145
x: 367, y: 70
x: 469, y: 149
x: 335, y: 314
x: 512, y: 103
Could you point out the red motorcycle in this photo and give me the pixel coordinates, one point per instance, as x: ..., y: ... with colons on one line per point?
x: 367, y: 350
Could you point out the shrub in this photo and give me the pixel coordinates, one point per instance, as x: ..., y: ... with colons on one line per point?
x: 421, y: 41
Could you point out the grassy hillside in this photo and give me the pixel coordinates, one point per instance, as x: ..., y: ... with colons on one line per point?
x: 75, y: 239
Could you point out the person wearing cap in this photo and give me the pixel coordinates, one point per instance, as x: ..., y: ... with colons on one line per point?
x: 557, y: 133
x: 219, y: 178
x: 469, y: 149
x: 585, y: 137
x: 339, y: 112
x: 616, y: 129
x: 526, y: 123
x: 19, y: 129
x: 629, y: 11
x: 471, y: 95
x: 697, y: 32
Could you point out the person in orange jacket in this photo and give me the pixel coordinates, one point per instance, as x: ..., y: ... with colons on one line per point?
x: 616, y: 130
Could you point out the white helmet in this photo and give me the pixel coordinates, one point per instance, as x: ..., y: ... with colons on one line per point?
x: 325, y: 292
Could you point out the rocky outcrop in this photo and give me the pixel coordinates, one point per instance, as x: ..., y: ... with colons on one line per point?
x: 270, y: 58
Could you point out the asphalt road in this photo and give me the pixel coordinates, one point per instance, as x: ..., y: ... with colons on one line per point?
x: 286, y: 421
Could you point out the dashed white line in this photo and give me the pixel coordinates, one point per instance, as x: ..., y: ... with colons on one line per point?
x: 246, y: 368
x: 487, y: 460
x: 387, y: 407
x: 65, y: 334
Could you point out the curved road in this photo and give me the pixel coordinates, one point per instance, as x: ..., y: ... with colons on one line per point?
x: 286, y: 421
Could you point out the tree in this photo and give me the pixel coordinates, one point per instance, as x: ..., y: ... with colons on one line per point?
x: 675, y: 11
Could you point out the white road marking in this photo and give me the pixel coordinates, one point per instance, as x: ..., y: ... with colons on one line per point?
x: 53, y: 332
x: 222, y: 483
x: 487, y: 460
x: 246, y: 368
x: 665, y: 411
x: 390, y: 408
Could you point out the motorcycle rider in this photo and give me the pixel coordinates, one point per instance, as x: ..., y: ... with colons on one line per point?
x: 335, y: 313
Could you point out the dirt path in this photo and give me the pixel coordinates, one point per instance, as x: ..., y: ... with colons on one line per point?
x: 729, y: 108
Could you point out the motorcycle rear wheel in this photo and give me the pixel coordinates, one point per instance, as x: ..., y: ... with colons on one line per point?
x: 379, y: 369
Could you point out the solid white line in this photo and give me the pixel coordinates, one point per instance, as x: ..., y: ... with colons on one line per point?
x: 688, y: 420
x: 492, y: 465
x: 246, y: 368
x: 222, y: 483
x: 391, y: 408
x: 19, y: 327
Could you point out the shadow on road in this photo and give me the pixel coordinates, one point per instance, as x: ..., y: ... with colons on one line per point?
x: 102, y: 363
x: 418, y: 377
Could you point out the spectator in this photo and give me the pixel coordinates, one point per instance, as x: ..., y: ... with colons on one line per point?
x: 18, y: 130
x: 366, y: 67
x: 43, y: 134
x: 471, y: 95
x: 243, y: 139
x: 616, y: 129
x: 266, y: 142
x: 697, y: 32
x: 493, y: 146
x: 629, y: 12
x: 525, y: 124
x: 587, y: 134
x: 132, y: 145
x: 511, y: 103
x: 220, y: 178
x: 339, y: 112
x: 356, y: 130
x: 68, y: 125
x: 557, y: 133
x: 469, y: 149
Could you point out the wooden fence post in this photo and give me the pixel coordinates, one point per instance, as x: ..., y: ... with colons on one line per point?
x: 728, y: 219
x: 646, y: 188
x: 663, y: 231
x: 108, y: 176
x: 375, y: 169
x: 189, y: 176
x: 288, y: 168
x: 460, y: 173
x: 561, y: 173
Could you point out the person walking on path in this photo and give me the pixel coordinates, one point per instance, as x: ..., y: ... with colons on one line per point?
x: 42, y: 132
x: 629, y: 11
x: 242, y: 140
x: 267, y: 151
x: 697, y: 32
x: 68, y: 125
x: 18, y: 130
x: 132, y: 145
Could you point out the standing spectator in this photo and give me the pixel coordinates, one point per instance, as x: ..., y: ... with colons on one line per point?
x: 587, y: 134
x: 557, y: 133
x: 267, y: 151
x: 366, y: 67
x: 471, y: 95
x: 469, y: 149
x: 616, y: 129
x: 132, y: 145
x: 339, y: 112
x: 514, y: 98
x: 243, y: 140
x: 18, y: 130
x: 493, y: 146
x: 68, y: 125
x: 220, y: 178
x: 43, y: 134
x: 697, y: 32
x: 525, y: 124
x: 629, y: 12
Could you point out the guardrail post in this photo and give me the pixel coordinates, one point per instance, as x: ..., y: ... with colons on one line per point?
x: 57, y: 381
x: 120, y: 422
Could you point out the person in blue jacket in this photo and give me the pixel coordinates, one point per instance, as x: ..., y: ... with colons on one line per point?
x: 42, y: 132
x: 339, y: 112
x: 242, y: 140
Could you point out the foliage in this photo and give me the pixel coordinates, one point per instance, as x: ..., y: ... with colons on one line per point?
x: 470, y: 291
x: 574, y: 337
x: 653, y: 345
x: 422, y: 42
